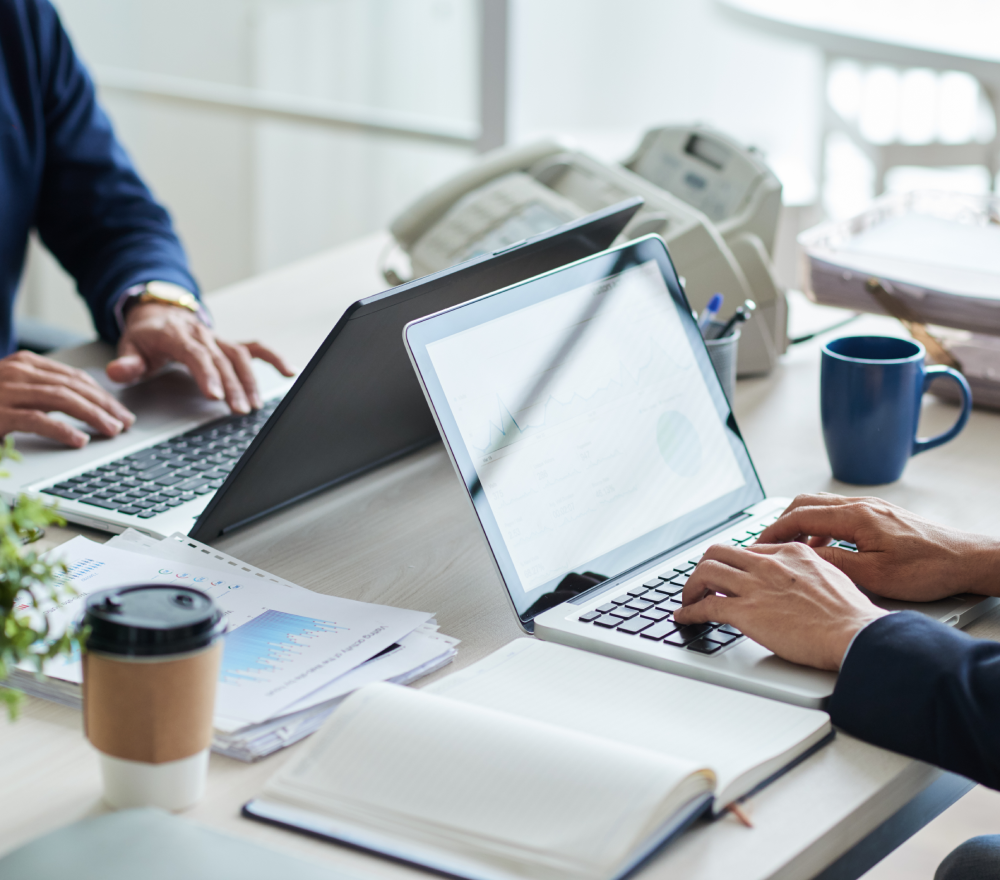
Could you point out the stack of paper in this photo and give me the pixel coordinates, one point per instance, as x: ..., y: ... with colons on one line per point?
x: 291, y: 654
x: 938, y: 254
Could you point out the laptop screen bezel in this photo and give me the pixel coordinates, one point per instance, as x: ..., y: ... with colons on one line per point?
x: 419, y: 334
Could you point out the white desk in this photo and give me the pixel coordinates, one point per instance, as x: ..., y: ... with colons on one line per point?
x: 403, y: 535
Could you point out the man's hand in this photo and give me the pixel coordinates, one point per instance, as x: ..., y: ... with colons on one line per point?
x: 900, y: 555
x: 156, y: 334
x: 783, y: 596
x: 32, y: 386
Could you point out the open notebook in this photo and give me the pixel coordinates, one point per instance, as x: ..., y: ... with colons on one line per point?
x: 539, y: 761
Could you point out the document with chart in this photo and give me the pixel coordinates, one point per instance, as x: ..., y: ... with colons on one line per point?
x: 283, y: 644
x: 587, y: 419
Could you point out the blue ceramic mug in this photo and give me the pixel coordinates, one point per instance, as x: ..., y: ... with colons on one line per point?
x: 870, y: 392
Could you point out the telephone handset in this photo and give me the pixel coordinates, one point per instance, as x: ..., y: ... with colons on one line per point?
x: 515, y: 193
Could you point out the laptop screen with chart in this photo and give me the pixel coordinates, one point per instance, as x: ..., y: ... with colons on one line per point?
x: 584, y: 415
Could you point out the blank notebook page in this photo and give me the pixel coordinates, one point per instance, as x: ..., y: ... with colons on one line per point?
x: 409, y: 762
x: 726, y: 730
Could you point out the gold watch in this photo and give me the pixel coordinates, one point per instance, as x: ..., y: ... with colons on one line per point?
x: 168, y: 294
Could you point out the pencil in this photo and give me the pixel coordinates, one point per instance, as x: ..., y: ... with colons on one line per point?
x: 738, y: 812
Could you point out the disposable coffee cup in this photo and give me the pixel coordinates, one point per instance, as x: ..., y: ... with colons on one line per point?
x: 149, y: 672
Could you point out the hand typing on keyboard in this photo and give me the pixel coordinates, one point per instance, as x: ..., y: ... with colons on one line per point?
x: 32, y: 386
x: 783, y: 596
x: 899, y: 555
x: 156, y: 334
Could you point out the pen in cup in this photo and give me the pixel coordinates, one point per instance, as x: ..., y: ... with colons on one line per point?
x: 709, y: 312
x: 741, y: 314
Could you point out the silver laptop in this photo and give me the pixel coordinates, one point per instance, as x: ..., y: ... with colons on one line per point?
x: 160, y: 474
x: 601, y: 457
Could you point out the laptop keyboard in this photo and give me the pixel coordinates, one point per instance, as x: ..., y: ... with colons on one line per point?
x: 646, y: 611
x: 171, y: 473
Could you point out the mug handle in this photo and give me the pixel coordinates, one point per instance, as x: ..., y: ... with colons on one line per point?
x: 930, y: 375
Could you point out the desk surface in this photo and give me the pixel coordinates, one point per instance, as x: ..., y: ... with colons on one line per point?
x: 403, y: 535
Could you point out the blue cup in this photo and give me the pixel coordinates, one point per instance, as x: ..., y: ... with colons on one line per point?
x: 870, y: 392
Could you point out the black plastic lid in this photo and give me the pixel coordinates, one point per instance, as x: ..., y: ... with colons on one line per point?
x: 151, y: 619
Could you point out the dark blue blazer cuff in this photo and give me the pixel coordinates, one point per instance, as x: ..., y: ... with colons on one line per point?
x: 918, y: 687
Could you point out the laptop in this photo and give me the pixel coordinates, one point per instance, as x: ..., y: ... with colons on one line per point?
x: 188, y: 466
x: 601, y: 457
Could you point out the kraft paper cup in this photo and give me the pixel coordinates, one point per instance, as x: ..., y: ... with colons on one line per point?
x: 149, y: 676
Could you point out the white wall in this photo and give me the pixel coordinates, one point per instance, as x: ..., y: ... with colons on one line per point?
x: 250, y: 195
x: 604, y: 72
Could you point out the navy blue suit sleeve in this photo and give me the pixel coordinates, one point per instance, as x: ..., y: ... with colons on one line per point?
x: 925, y: 690
x: 94, y: 212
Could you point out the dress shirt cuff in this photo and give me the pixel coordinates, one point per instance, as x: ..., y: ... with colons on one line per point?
x: 850, y: 644
x: 119, y: 308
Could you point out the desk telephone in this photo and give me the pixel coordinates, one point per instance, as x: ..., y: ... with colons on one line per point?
x: 714, y: 202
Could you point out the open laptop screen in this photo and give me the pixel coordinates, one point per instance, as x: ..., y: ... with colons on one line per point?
x: 584, y: 415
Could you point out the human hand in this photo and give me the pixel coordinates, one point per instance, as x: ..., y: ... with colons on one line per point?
x: 156, y: 334
x: 32, y: 386
x: 784, y: 596
x: 900, y: 555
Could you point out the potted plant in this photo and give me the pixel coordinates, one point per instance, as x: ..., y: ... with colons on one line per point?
x: 28, y: 585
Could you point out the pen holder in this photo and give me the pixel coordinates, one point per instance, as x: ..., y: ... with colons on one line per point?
x: 723, y: 355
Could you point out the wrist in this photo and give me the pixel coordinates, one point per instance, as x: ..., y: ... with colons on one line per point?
x: 984, y: 568
x: 852, y: 629
x: 163, y: 293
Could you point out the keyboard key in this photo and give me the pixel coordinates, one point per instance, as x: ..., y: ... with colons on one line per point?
x: 174, y: 502
x: 607, y: 621
x: 100, y: 502
x: 635, y: 625
x: 687, y: 569
x: 169, y: 480
x: 143, y: 505
x: 623, y: 612
x: 655, y: 596
x: 622, y: 600
x: 161, y: 508
x: 191, y: 485
x: 604, y: 609
x: 656, y: 614
x: 638, y: 591
x: 704, y: 646
x: 146, y: 514
x: 732, y: 630
x: 687, y: 634
x: 680, y: 579
x: 639, y: 605
x: 157, y: 472
x: 64, y: 493
x: 589, y: 616
x: 721, y: 637
x: 652, y: 584
x: 129, y: 510
x: 657, y: 632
